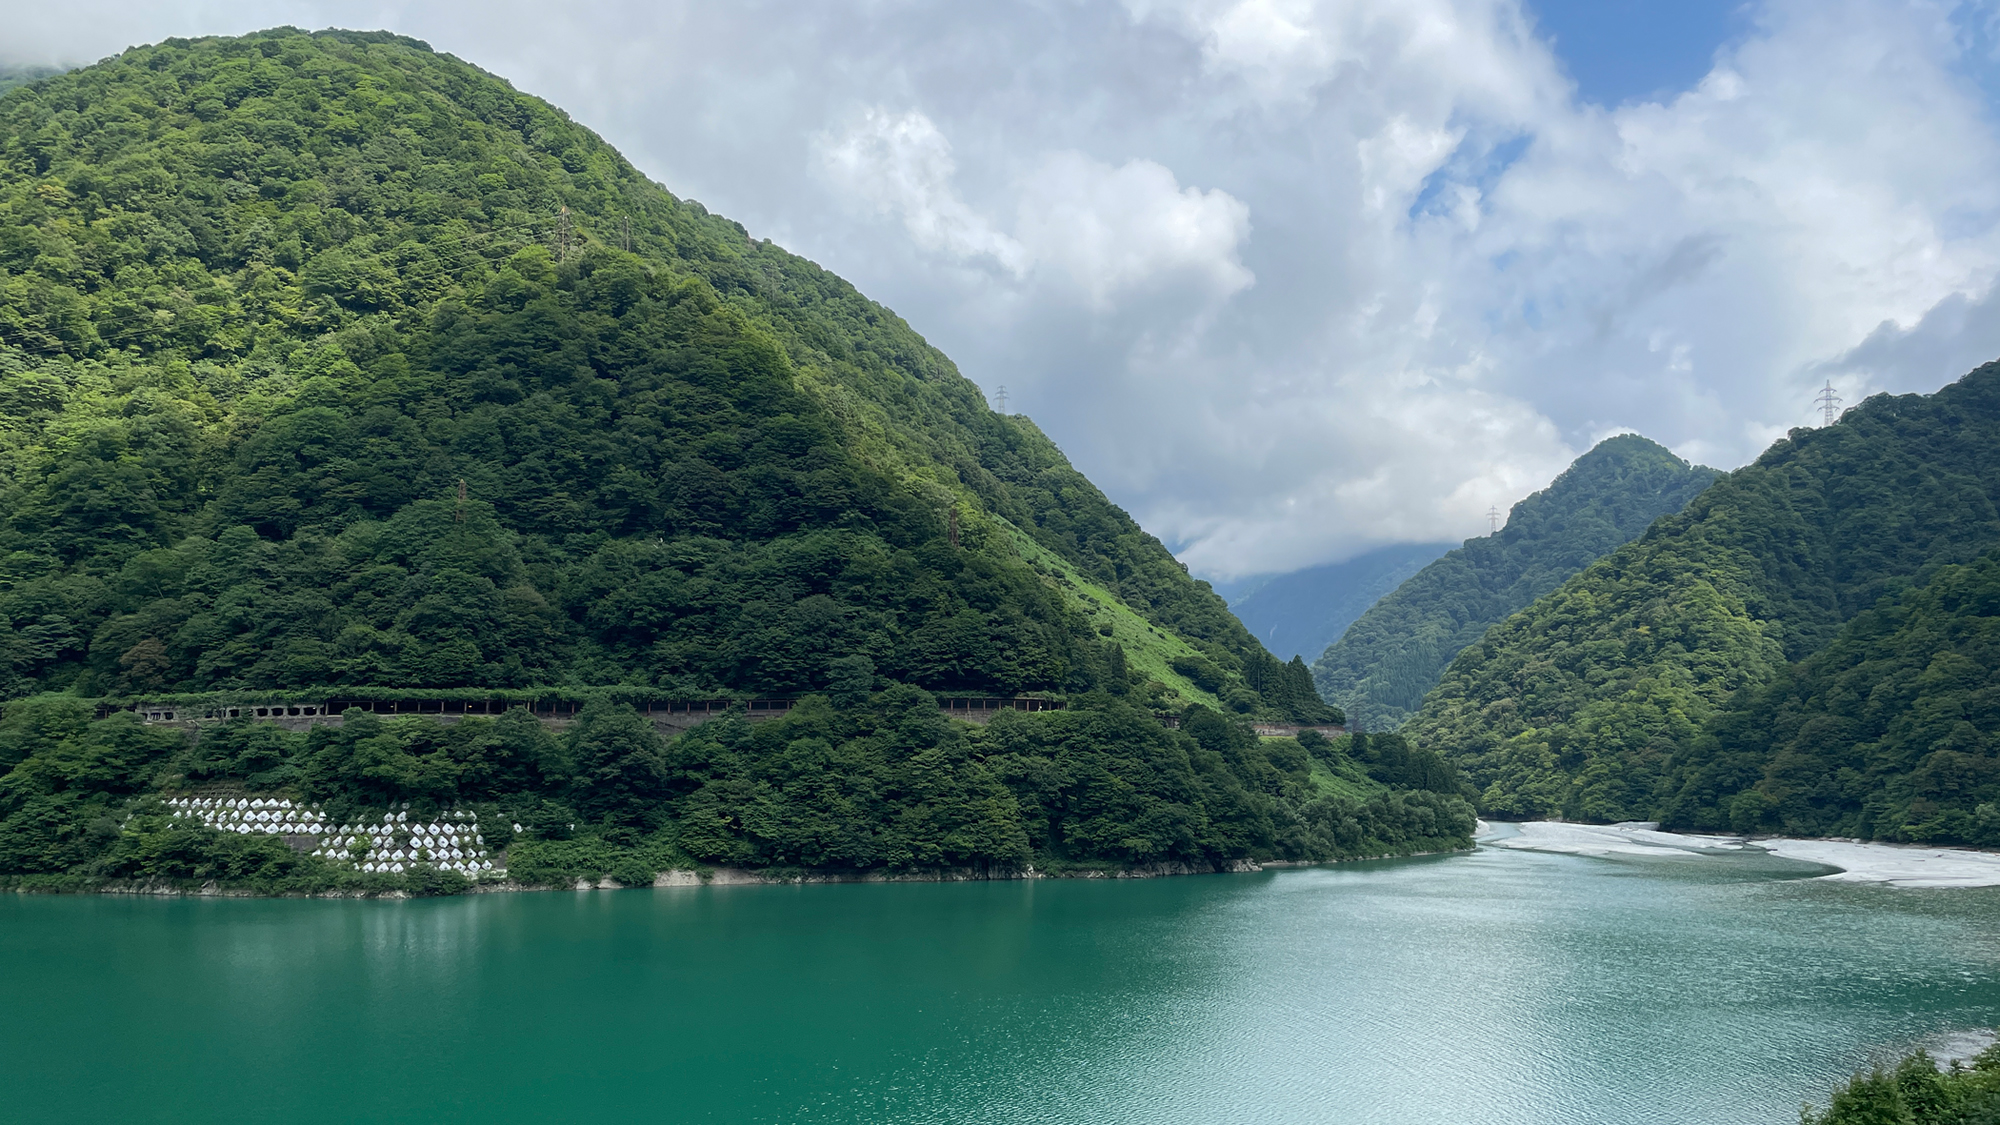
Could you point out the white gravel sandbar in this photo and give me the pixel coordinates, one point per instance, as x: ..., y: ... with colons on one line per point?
x: 1897, y: 865
x: 1634, y: 838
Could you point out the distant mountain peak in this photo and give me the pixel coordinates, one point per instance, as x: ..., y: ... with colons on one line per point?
x: 1384, y: 663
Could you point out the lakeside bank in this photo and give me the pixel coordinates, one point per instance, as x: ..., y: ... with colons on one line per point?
x: 703, y: 876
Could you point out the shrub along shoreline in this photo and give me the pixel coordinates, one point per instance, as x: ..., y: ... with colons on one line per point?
x: 406, y: 886
x: 875, y: 786
x: 1916, y: 1092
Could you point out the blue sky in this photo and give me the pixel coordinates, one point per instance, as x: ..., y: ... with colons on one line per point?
x: 1624, y: 50
x: 1295, y: 279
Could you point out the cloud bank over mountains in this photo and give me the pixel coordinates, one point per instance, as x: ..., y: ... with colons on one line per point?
x: 1295, y: 279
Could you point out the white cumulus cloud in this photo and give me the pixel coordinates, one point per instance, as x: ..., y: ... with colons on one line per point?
x: 1295, y: 278
x: 1079, y: 224
x: 1109, y: 230
x: 901, y: 163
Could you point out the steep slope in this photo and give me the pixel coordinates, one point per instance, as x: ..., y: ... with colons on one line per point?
x: 1887, y: 733
x: 328, y: 360
x: 1301, y: 613
x: 1381, y: 667
x: 1578, y: 704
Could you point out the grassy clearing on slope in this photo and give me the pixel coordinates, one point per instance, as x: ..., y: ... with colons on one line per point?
x: 1148, y: 648
x: 1349, y: 780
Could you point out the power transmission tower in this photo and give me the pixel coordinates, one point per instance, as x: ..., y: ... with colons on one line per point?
x: 1003, y: 398
x: 625, y: 226
x: 1493, y: 518
x: 460, y: 517
x: 1828, y: 403
x: 562, y: 234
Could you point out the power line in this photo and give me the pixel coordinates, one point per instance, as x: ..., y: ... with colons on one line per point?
x: 1828, y: 403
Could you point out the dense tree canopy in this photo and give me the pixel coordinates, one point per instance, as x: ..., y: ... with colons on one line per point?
x: 885, y: 784
x: 1889, y: 732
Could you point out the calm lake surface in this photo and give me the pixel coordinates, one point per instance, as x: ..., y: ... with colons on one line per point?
x: 1496, y: 987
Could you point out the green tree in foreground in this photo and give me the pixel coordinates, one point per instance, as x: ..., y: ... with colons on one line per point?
x: 1916, y: 1092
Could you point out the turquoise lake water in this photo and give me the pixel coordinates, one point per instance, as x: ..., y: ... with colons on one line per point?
x: 1494, y: 987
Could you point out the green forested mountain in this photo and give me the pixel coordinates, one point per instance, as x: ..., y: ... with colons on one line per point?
x: 330, y: 364
x: 1887, y: 733
x: 1381, y: 667
x: 267, y: 303
x: 1586, y: 702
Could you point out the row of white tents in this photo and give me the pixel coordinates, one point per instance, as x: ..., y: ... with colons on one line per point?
x: 451, y: 840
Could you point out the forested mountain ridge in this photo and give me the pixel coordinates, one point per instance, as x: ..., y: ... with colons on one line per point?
x: 1381, y: 667
x: 268, y: 301
x: 1583, y: 703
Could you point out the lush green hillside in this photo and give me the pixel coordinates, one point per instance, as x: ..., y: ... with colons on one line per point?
x: 1381, y: 668
x: 1579, y: 704
x: 268, y: 303
x: 1886, y: 733
x: 1301, y: 613
x: 331, y: 364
